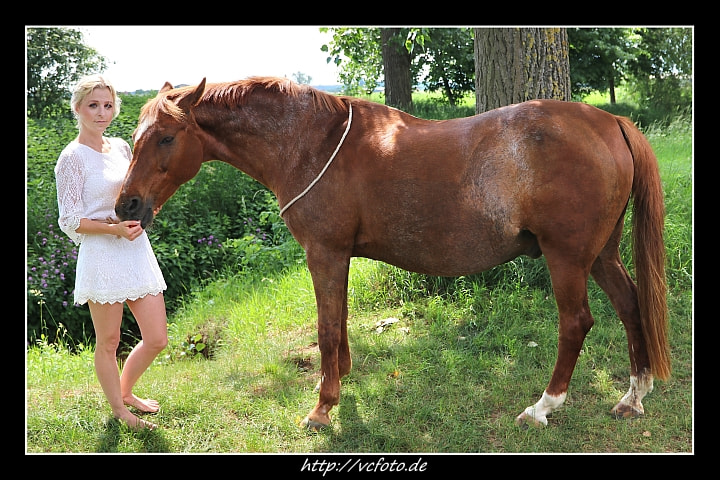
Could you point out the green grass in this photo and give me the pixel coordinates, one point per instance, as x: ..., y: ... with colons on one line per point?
x: 463, y: 359
x: 440, y: 379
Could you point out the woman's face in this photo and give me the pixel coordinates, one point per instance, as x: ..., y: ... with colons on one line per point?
x: 96, y: 110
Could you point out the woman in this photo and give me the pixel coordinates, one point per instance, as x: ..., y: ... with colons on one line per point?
x: 116, y: 263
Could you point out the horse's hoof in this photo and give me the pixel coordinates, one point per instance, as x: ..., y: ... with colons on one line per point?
x: 621, y: 411
x: 310, y: 424
x: 524, y: 420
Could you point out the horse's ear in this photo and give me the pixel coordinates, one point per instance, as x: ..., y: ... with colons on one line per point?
x: 192, y: 98
x: 195, y: 96
x: 166, y: 87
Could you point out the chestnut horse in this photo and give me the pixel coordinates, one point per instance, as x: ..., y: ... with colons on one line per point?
x: 454, y: 197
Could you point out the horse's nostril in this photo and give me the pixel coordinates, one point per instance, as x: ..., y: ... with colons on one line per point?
x: 128, y: 208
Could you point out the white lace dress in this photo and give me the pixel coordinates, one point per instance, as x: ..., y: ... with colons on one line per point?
x: 109, y: 268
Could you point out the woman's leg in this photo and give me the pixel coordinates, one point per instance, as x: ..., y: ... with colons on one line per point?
x: 107, y: 318
x: 150, y: 315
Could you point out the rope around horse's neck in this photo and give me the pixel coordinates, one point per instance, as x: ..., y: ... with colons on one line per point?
x: 312, y: 184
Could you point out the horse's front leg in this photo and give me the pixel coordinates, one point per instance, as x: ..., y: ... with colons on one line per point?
x: 330, y: 280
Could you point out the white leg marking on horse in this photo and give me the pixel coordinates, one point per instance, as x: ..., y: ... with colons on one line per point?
x: 319, y: 383
x: 639, y: 387
x: 544, y: 406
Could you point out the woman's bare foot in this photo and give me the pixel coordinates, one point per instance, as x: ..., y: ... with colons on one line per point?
x: 135, y: 423
x: 145, y: 405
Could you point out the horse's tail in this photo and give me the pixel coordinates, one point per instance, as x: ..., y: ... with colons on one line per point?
x: 649, y: 248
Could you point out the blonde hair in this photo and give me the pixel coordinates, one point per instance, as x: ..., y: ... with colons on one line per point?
x: 85, y: 86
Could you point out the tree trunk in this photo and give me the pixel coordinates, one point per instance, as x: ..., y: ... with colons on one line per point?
x: 513, y: 65
x: 396, y: 68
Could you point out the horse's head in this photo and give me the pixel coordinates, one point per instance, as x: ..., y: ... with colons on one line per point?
x: 167, y: 152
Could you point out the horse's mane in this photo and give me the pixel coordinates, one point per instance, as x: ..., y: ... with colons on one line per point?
x: 236, y: 93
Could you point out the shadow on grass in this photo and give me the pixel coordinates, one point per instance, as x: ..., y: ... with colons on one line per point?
x: 109, y: 440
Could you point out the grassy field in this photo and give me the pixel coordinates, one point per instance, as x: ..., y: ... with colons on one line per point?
x: 432, y: 373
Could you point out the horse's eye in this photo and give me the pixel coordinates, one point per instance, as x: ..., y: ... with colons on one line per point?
x: 167, y: 140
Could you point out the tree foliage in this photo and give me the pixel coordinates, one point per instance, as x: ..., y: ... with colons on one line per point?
x: 302, y: 78
x: 661, y: 71
x: 448, y: 63
x: 441, y: 59
x: 358, y: 54
x: 656, y: 62
x: 598, y: 58
x: 56, y: 58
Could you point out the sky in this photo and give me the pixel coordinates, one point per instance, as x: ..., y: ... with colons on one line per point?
x: 144, y: 57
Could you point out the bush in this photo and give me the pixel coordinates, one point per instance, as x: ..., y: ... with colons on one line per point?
x: 51, y: 277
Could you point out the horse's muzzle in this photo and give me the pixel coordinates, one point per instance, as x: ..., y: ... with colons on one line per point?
x: 147, y: 219
x: 134, y: 209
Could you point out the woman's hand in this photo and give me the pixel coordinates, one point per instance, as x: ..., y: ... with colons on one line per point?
x: 130, y: 229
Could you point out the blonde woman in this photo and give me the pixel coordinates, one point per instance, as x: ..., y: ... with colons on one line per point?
x: 116, y: 264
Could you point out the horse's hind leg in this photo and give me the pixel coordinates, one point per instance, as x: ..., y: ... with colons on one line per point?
x: 612, y: 276
x: 570, y: 287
